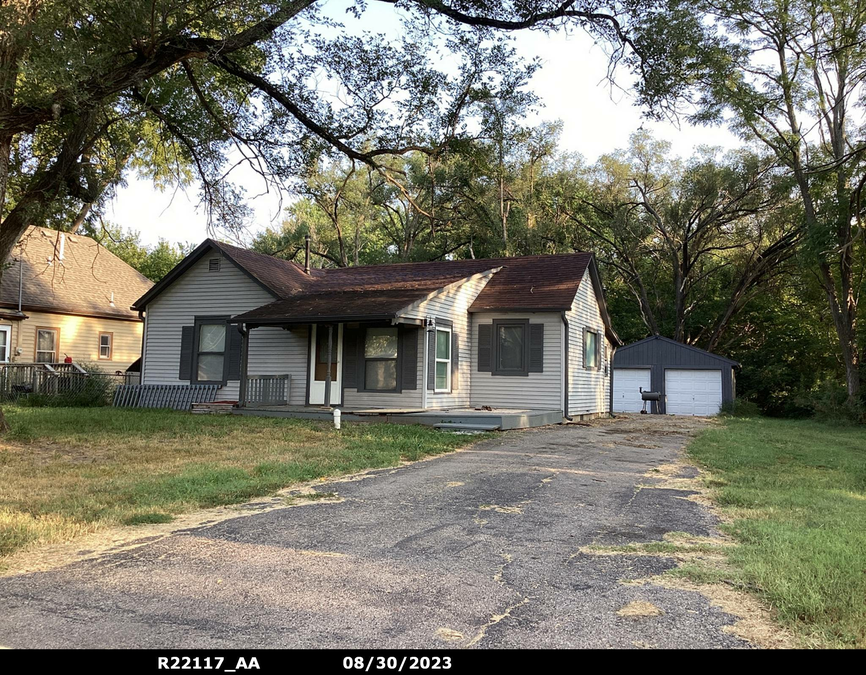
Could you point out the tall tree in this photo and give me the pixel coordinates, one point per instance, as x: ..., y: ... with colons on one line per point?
x: 670, y: 229
x: 789, y: 74
x: 184, y: 91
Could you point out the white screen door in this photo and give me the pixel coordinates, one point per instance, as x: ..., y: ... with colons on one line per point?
x: 319, y: 364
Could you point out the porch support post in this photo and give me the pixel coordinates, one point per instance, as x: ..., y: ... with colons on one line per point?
x: 245, y: 353
x: 328, y: 371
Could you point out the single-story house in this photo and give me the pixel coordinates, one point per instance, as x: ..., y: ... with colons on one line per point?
x: 524, y: 333
x: 66, y: 295
x: 691, y: 381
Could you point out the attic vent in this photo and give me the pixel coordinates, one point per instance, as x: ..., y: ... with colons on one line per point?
x: 213, y: 265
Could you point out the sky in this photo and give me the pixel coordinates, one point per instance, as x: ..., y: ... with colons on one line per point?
x: 571, y: 85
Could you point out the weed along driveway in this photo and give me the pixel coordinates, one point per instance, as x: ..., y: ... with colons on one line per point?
x: 555, y: 537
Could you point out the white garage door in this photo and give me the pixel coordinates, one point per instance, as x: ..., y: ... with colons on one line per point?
x: 626, y: 388
x: 693, y: 392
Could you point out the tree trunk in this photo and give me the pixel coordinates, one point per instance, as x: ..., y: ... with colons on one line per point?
x: 4, y: 425
x: 846, y: 330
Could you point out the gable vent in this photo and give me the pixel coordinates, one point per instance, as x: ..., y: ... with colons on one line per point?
x: 213, y: 265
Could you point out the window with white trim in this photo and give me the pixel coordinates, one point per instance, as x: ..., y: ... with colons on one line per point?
x: 591, y: 350
x: 105, y: 346
x: 5, y: 343
x: 46, y: 345
x: 443, y: 359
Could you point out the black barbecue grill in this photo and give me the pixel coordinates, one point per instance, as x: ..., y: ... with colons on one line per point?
x: 655, y: 396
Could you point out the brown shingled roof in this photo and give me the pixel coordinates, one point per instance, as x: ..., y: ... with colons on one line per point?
x: 527, y: 283
x: 83, y: 282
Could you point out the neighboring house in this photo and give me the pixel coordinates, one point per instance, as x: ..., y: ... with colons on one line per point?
x: 512, y: 333
x: 65, y: 295
x: 691, y: 381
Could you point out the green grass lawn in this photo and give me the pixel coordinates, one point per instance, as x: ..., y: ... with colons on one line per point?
x: 68, y: 471
x: 797, y: 493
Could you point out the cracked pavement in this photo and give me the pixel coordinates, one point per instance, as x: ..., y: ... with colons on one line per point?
x: 483, y: 548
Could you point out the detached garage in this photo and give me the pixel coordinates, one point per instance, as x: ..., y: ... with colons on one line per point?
x: 691, y: 381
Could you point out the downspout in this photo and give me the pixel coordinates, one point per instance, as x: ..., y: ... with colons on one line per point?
x: 143, y: 317
x: 567, y: 368
x: 20, y: 282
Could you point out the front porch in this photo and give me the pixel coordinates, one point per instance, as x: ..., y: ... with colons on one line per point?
x: 456, y: 419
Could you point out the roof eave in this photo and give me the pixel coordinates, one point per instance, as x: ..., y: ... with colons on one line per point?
x: 196, y: 255
x: 292, y: 320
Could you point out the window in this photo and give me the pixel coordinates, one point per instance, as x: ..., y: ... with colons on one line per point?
x: 47, y: 341
x: 5, y: 343
x: 590, y: 349
x: 443, y: 359
x: 106, y: 342
x: 380, y: 359
x: 510, y: 348
x: 211, y: 352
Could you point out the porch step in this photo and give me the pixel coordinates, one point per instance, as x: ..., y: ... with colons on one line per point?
x: 465, y: 426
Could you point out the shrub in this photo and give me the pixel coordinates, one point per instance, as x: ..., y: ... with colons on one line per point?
x: 829, y: 403
x: 740, y: 408
x: 77, y: 391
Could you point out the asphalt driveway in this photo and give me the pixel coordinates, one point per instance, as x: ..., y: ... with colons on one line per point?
x: 479, y: 548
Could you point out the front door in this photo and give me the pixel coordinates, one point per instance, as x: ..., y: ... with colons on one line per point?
x: 319, y: 364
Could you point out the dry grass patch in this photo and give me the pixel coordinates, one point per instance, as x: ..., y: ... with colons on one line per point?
x: 65, y: 472
x: 639, y: 609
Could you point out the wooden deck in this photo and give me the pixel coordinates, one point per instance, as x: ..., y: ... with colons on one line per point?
x: 457, y: 419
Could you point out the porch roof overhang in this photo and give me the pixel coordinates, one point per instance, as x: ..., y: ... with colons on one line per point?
x: 335, y: 307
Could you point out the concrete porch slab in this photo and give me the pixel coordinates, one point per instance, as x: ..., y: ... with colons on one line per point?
x: 503, y: 419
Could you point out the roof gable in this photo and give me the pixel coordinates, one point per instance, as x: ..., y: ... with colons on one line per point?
x: 278, y: 277
x: 70, y: 273
x: 679, y: 345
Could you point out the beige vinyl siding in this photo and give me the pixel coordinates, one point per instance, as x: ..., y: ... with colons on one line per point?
x: 79, y: 337
x: 274, y: 351
x: 198, y: 292
x: 538, y: 391
x: 589, y: 390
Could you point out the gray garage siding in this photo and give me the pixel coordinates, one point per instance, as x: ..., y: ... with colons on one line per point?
x: 659, y: 354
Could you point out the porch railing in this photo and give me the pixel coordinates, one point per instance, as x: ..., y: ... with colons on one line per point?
x: 267, y: 389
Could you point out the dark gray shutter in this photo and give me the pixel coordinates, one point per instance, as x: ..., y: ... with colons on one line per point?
x: 350, y: 358
x: 455, y: 362
x: 409, y: 356
x: 431, y: 360
x: 187, y: 340
x: 233, y: 356
x: 485, y: 348
x: 536, y: 348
